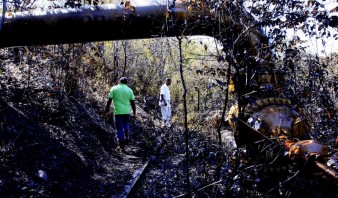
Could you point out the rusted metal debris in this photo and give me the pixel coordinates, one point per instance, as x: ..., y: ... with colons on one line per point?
x: 274, y: 119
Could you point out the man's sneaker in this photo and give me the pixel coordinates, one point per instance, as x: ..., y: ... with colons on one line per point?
x: 164, y: 123
x: 167, y: 124
x: 127, y: 136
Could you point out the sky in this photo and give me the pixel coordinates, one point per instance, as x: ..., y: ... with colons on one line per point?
x: 316, y: 43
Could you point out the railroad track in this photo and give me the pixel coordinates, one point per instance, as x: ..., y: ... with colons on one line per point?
x: 134, y: 183
x: 155, y: 165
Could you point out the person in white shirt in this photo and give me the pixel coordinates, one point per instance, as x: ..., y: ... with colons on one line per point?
x: 165, y: 102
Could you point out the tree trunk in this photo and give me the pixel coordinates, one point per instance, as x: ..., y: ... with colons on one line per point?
x: 185, y: 119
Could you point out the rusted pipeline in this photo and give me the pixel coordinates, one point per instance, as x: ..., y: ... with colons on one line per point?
x: 84, y: 24
x: 134, y: 20
x: 327, y: 169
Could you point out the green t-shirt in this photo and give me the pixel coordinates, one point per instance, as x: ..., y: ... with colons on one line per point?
x: 121, y: 95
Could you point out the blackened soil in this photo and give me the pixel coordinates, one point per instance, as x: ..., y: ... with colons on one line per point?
x: 53, y: 145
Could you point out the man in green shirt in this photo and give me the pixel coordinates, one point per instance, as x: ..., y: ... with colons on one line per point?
x: 122, y: 97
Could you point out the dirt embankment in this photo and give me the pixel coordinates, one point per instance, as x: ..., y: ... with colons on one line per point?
x: 53, y: 145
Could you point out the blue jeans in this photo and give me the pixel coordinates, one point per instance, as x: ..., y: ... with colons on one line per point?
x: 122, y: 125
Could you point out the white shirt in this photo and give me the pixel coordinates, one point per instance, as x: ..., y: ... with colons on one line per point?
x: 166, y: 93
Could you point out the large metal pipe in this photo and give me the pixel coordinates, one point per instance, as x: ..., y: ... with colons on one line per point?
x: 139, y: 19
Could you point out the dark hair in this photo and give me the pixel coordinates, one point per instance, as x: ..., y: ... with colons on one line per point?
x: 124, y: 80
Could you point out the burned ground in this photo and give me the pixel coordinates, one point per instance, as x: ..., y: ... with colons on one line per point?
x: 66, y: 139
x: 56, y: 145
